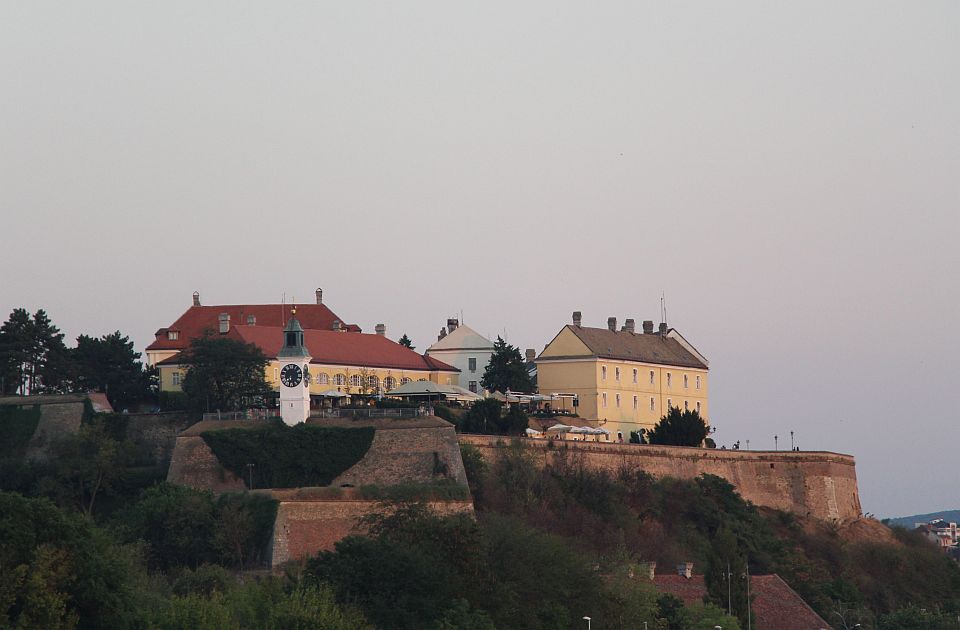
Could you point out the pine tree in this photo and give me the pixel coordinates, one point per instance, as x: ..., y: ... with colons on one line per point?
x: 405, y: 341
x: 506, y: 370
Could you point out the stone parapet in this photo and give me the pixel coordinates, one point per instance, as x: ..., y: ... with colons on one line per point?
x: 810, y: 483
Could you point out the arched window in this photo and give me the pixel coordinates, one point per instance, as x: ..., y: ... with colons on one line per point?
x: 421, y: 380
x: 405, y: 380
x: 373, y: 382
x: 686, y: 381
x: 354, y: 380
x: 668, y: 379
x: 339, y: 379
x: 389, y: 383
x: 323, y: 379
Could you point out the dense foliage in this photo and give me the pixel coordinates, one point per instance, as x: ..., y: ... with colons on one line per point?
x: 488, y: 417
x: 17, y: 426
x: 679, y: 428
x: 506, y: 370
x: 225, y: 374
x: 289, y: 457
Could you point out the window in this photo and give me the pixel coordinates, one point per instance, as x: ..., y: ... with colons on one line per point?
x: 651, y: 377
x: 604, y: 399
x: 373, y: 382
x: 472, y: 386
x: 276, y: 374
x: 616, y: 373
x: 603, y: 372
x: 653, y: 404
x: 686, y: 405
x: 472, y: 362
x: 635, y: 372
x: 636, y: 403
x: 323, y: 379
x: 618, y: 401
x: 176, y: 378
x: 685, y: 381
x: 173, y: 335
x: 354, y: 380
x: 698, y: 406
x: 421, y: 380
x: 389, y: 383
x: 404, y: 380
x: 339, y: 379
x: 698, y: 381
x: 668, y: 379
x: 669, y: 404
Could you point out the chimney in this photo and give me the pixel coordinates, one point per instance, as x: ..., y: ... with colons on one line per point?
x: 251, y: 320
x: 319, y: 296
x: 452, y: 324
x: 443, y: 333
x: 648, y: 326
x: 224, y: 323
x: 630, y: 326
x: 196, y: 298
x: 336, y: 325
x: 531, y: 355
x: 685, y: 569
x: 612, y: 323
x: 648, y: 570
x: 663, y: 328
x: 577, y: 318
x: 381, y: 330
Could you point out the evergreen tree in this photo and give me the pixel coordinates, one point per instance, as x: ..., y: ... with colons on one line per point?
x: 679, y: 428
x: 405, y: 341
x: 506, y: 370
x: 32, y: 354
x: 110, y: 365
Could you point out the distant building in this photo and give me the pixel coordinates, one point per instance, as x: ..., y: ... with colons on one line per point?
x: 199, y: 319
x: 625, y: 379
x: 465, y: 349
x: 941, y: 532
x: 344, y: 360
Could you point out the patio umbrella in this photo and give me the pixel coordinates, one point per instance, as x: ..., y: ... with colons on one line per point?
x: 332, y: 393
x: 559, y: 428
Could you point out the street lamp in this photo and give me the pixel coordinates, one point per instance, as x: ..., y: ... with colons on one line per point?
x: 791, y: 440
x: 775, y: 447
x: 587, y: 619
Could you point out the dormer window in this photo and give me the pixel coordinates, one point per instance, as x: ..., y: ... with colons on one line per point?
x: 173, y: 335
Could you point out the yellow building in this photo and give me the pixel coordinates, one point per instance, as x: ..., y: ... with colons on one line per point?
x: 624, y: 379
x: 349, y: 363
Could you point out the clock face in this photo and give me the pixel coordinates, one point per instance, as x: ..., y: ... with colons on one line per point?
x: 291, y: 375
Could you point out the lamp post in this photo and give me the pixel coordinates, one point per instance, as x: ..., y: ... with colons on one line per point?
x: 587, y: 619
x: 250, y: 474
x: 791, y: 440
x: 775, y: 447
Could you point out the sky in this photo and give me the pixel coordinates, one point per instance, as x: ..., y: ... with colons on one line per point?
x: 787, y: 175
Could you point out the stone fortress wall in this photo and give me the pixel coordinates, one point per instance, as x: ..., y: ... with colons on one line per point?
x: 815, y: 483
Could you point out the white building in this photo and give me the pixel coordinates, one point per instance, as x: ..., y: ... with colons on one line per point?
x: 465, y: 349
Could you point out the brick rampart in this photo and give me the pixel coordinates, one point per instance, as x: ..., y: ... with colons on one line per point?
x: 57, y: 419
x: 818, y: 484
x: 305, y: 528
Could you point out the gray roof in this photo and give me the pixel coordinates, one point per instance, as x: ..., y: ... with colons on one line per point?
x: 609, y: 344
x: 462, y: 338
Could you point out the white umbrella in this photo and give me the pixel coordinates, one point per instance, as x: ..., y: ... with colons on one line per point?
x: 532, y: 432
x: 332, y: 393
x: 581, y: 430
x: 559, y: 428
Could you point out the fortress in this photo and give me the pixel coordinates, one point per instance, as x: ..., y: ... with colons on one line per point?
x: 819, y: 484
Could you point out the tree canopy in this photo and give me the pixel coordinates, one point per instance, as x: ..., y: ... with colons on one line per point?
x: 225, y: 374
x: 405, y: 341
x: 506, y: 370
x: 679, y: 428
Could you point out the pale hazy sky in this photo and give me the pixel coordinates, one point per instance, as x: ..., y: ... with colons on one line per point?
x: 789, y: 175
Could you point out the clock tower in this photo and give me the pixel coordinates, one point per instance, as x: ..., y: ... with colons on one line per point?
x: 294, y: 374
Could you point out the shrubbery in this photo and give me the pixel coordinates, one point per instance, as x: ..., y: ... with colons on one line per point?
x: 289, y: 457
x: 17, y: 426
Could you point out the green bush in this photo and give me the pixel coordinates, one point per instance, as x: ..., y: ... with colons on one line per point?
x: 17, y: 426
x: 289, y: 457
x: 410, y: 491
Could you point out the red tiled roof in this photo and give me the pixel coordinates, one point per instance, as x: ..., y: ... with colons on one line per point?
x: 338, y: 348
x: 775, y: 604
x: 198, y: 319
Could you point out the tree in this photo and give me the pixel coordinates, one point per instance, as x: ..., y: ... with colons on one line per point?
x: 110, y: 365
x: 91, y: 461
x: 486, y: 417
x: 31, y: 350
x: 224, y: 374
x: 405, y: 341
x: 506, y: 370
x: 679, y: 428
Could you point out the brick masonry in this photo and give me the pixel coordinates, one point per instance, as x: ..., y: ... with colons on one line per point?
x: 818, y: 484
